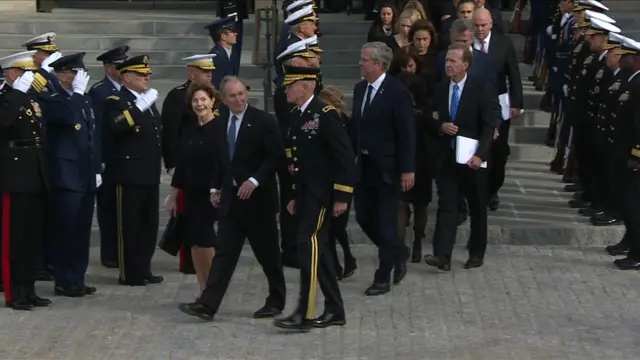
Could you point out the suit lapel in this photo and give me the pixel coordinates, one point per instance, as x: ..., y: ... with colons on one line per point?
x: 224, y: 124
x: 377, y: 96
x: 357, y: 101
x: 463, y: 95
x: 244, y: 128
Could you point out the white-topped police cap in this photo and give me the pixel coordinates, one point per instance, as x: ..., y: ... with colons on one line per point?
x: 298, y: 4
x: 615, y: 40
x: 590, y: 14
x: 594, y: 5
x: 601, y: 27
x: 297, y: 49
x: 312, y: 44
x: 201, y: 61
x: 304, y: 14
x: 629, y: 47
x: 44, y: 42
x: 22, y: 60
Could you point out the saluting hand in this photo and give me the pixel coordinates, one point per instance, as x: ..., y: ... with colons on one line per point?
x: 246, y: 189
x: 408, y: 180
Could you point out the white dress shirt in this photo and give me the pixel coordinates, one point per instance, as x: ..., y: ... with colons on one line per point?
x: 306, y: 104
x: 239, y: 116
x: 460, y: 85
x: 376, y: 86
x: 477, y: 44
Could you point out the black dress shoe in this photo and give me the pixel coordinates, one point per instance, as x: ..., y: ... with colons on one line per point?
x: 153, y: 279
x: 69, y: 291
x: 37, y: 301
x: 569, y: 180
x: 294, y: 322
x: 20, y: 304
x: 44, y: 275
x: 627, y: 264
x: 142, y: 282
x: 494, y: 203
x: 578, y: 195
x: 437, y: 262
x: 329, y: 319
x: 89, y: 290
x: 572, y: 188
x: 198, y: 310
x: 399, y: 272
x: 266, y: 312
x: 589, y: 211
x: 605, y: 220
x: 473, y: 262
x: 350, y: 267
x: 619, y: 249
x: 578, y: 204
x: 378, y: 289
x: 110, y: 264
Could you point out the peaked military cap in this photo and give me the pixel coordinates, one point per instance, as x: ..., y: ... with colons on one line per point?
x: 137, y: 64
x: 590, y: 5
x: 629, y: 47
x: 297, y: 5
x: 614, y: 41
x: 312, y: 44
x: 599, y: 27
x: 293, y: 74
x: 22, y: 60
x: 114, y: 55
x: 590, y: 14
x: 296, y: 49
x: 302, y: 15
x: 44, y: 42
x: 227, y: 23
x: 70, y: 62
x: 202, y: 62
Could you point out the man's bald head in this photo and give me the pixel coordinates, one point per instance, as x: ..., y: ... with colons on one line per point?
x: 483, y: 23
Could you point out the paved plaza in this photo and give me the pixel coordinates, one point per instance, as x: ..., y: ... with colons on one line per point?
x: 526, y: 303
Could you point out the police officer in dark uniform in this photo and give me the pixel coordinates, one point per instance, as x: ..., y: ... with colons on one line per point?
x: 236, y: 10
x: 299, y: 55
x: 134, y: 123
x: 606, y: 159
x: 74, y: 165
x: 628, y: 114
x: 106, y: 193
x: 23, y: 193
x: 323, y: 163
x: 224, y: 36
x: 176, y: 115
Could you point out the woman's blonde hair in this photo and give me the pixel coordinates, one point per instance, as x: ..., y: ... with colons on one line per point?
x: 411, y: 14
x: 330, y: 95
x: 417, y: 6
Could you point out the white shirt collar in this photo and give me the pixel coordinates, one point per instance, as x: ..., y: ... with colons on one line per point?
x: 460, y: 83
x: 239, y: 115
x: 603, y: 55
x: 306, y: 104
x: 134, y: 93
x: 634, y: 75
x: 115, y: 83
x: 616, y: 71
x: 487, y: 42
x: 564, y: 19
x: 376, y: 84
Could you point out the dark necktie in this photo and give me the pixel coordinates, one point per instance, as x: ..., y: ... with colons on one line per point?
x: 231, y: 136
x: 367, y: 99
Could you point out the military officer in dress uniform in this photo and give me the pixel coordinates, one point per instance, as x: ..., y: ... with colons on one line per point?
x: 134, y: 123
x: 74, y: 165
x: 628, y: 114
x: 23, y: 193
x: 224, y: 36
x: 46, y: 52
x: 299, y: 55
x: 176, y: 114
x: 606, y: 160
x: 320, y: 154
x: 237, y: 11
x: 287, y: 36
x: 106, y: 193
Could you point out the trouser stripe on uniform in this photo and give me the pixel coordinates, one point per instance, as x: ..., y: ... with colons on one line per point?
x: 6, y: 246
x: 120, y: 231
x: 313, y: 276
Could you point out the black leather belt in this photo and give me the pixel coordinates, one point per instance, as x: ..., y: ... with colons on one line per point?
x: 17, y: 144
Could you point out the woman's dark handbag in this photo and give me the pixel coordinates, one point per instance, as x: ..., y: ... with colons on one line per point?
x: 173, y: 235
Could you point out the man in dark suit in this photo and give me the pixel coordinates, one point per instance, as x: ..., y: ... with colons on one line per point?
x: 224, y: 36
x: 463, y: 9
x: 134, y: 124
x: 74, y: 174
x: 503, y: 55
x: 245, y: 191
x: 106, y: 193
x: 383, y: 137
x: 236, y: 10
x: 464, y: 107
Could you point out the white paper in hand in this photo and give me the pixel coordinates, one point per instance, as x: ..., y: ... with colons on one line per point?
x: 98, y: 180
x: 465, y: 149
x: 505, y: 106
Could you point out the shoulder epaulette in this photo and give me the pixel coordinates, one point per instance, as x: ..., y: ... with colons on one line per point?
x: 113, y: 97
x: 328, y: 108
x: 97, y: 84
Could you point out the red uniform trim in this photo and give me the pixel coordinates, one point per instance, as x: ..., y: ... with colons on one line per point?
x: 180, y: 209
x: 6, y: 247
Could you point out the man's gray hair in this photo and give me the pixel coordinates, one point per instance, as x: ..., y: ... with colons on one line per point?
x: 380, y: 53
x: 461, y: 25
x: 230, y: 79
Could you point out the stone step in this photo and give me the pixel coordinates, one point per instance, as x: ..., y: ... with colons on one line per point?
x: 533, y: 211
x: 528, y: 134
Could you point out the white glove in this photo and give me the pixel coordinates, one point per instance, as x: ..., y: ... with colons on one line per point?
x: 147, y: 99
x: 80, y: 82
x: 98, y: 180
x: 46, y: 63
x: 565, y: 90
x: 23, y: 82
x: 171, y: 171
